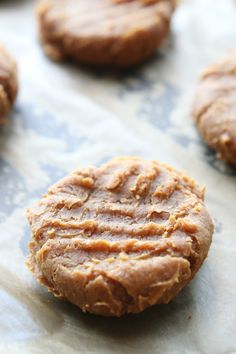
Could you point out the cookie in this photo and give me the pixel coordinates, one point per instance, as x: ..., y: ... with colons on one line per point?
x: 215, y: 108
x: 119, y: 238
x: 113, y: 33
x: 8, y: 83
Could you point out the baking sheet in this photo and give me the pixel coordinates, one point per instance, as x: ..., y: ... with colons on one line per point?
x: 67, y: 117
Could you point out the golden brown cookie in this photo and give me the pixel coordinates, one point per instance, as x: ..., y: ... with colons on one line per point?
x: 8, y: 83
x: 119, y: 238
x: 215, y: 108
x: 117, y: 33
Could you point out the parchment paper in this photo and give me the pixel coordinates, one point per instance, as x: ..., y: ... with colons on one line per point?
x: 66, y: 117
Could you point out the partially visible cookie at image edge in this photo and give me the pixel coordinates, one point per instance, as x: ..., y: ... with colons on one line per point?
x: 214, y: 108
x: 8, y: 83
x: 113, y: 33
x: 121, y: 237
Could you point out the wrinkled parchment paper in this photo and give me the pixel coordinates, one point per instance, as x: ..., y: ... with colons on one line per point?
x: 66, y: 117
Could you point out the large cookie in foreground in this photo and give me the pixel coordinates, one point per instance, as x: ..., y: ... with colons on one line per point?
x: 116, y: 33
x: 8, y: 83
x: 119, y: 238
x: 215, y: 108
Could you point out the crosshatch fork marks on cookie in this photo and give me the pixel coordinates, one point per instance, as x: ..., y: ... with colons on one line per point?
x: 128, y: 210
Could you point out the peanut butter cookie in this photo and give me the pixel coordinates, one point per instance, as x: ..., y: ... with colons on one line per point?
x: 117, y: 33
x: 119, y: 238
x: 8, y: 83
x: 215, y: 108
